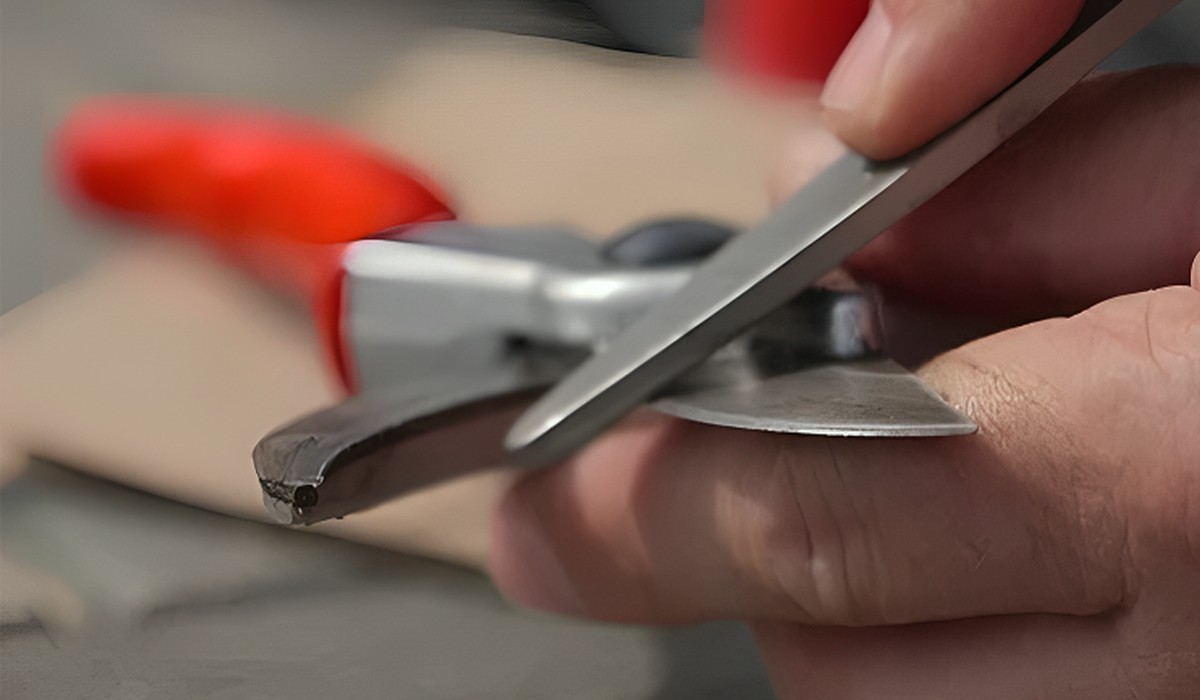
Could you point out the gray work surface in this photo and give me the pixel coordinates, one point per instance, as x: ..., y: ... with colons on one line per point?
x: 182, y: 603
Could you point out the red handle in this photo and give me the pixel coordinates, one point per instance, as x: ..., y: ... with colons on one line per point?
x: 790, y: 39
x: 275, y: 195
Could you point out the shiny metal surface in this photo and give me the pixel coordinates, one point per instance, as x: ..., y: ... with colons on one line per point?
x: 845, y: 207
x: 416, y: 309
x: 452, y: 331
x: 380, y: 445
x: 812, y: 367
x: 866, y: 397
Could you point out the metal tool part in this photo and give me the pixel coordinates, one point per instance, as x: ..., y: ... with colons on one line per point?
x: 414, y: 309
x: 814, y: 367
x: 672, y: 242
x: 452, y: 342
x: 849, y: 204
x: 380, y: 445
x: 871, y: 397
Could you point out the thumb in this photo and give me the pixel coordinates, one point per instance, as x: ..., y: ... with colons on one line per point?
x: 916, y: 67
x: 669, y: 522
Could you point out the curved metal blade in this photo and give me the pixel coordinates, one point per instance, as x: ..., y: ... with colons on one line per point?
x: 866, y: 397
x: 378, y: 446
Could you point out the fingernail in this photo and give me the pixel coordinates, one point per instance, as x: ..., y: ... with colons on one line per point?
x: 1196, y: 272
x: 526, y: 569
x: 861, y: 64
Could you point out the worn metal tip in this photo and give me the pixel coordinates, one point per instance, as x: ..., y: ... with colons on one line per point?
x: 525, y: 441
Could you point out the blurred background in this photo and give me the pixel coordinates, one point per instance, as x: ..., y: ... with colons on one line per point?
x: 304, y: 55
x: 137, y: 371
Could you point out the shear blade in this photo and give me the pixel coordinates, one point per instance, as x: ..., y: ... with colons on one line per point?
x: 868, y: 397
x: 378, y: 446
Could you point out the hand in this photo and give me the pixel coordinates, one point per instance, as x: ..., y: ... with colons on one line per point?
x: 1056, y: 553
x: 910, y: 71
x: 916, y: 67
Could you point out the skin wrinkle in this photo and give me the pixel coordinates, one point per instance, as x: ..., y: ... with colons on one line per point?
x: 672, y: 439
x: 826, y: 565
x: 1151, y: 328
x: 748, y: 516
x: 871, y: 576
x: 809, y: 547
x: 884, y: 585
x: 1025, y: 419
x: 999, y: 405
x: 991, y: 396
x: 851, y: 543
x: 1129, y: 582
x: 1103, y: 525
x: 834, y: 593
x: 1125, y: 470
x: 1092, y: 525
x: 1092, y: 513
x: 1095, y: 517
x: 991, y: 392
x: 1171, y: 325
x: 1157, y: 328
x: 786, y: 551
x: 1151, y: 346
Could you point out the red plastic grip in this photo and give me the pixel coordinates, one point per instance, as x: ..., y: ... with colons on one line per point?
x: 797, y: 40
x: 278, y: 196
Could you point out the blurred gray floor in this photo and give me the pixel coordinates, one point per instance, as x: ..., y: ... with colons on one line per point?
x: 182, y: 603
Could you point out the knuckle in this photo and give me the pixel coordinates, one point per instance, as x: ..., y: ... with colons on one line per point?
x: 821, y: 554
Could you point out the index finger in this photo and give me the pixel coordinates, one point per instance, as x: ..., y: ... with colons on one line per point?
x: 914, y: 67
